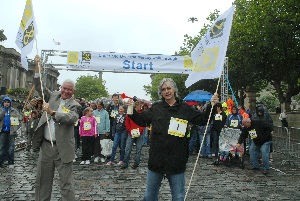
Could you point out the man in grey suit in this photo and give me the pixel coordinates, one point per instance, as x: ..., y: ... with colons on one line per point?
x: 60, y: 109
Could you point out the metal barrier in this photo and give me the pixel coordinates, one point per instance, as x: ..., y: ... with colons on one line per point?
x: 287, y: 142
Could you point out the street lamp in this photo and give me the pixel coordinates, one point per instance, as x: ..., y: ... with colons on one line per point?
x: 192, y: 19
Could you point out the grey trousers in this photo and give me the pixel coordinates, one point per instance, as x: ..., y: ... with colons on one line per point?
x: 47, y: 162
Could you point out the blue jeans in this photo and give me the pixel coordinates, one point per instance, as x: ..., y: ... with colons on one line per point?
x: 7, y: 148
x: 193, y: 140
x: 215, y: 142
x: 119, y: 137
x: 128, y: 149
x: 206, y: 144
x: 265, y: 154
x: 176, y: 182
x: 145, y: 136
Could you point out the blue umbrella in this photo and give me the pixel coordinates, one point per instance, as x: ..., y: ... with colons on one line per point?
x: 199, y: 96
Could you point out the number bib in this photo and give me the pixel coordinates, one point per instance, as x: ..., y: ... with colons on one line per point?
x: 87, y: 126
x: 97, y: 119
x: 14, y: 121
x: 218, y: 117
x: 31, y: 125
x: 253, y: 134
x: 114, y: 113
x: 64, y: 109
x: 234, y: 123
x: 135, y: 133
x: 76, y: 123
x: 177, y: 127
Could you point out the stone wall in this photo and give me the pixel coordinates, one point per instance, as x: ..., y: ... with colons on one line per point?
x: 13, y: 75
x: 292, y: 118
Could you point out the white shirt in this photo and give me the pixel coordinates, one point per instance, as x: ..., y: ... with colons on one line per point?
x: 51, y: 122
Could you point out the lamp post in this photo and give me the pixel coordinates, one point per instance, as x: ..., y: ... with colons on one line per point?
x: 193, y: 19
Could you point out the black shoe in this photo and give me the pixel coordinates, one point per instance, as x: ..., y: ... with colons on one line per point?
x: 254, y: 169
x: 134, y: 166
x: 265, y: 172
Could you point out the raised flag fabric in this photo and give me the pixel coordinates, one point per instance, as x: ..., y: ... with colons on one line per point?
x: 26, y: 34
x: 209, y: 54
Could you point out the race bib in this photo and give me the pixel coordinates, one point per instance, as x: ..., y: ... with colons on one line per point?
x: 64, y: 109
x: 234, y: 123
x: 177, y: 127
x: 253, y: 134
x: 14, y: 121
x: 31, y: 125
x: 87, y: 126
x: 135, y: 133
x: 114, y: 113
x: 97, y: 119
x: 218, y: 117
x: 76, y: 123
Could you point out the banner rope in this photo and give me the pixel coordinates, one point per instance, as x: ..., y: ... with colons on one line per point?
x: 42, y: 89
x: 190, y: 182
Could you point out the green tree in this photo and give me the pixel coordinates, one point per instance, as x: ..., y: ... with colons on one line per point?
x: 189, y: 43
x: 2, y: 36
x: 90, y: 87
x: 271, y: 102
x: 264, y: 46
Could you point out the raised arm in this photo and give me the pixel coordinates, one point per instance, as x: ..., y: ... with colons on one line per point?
x: 37, y: 83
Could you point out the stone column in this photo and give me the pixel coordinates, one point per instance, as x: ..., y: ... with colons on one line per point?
x: 250, y: 100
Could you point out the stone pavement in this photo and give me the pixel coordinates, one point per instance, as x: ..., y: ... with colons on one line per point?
x: 101, y: 182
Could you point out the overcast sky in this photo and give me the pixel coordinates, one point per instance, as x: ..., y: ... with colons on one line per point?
x: 132, y: 26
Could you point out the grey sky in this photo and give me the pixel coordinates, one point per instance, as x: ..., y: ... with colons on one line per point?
x: 130, y: 26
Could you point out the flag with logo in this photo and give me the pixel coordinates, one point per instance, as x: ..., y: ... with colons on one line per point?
x: 26, y: 34
x: 209, y: 54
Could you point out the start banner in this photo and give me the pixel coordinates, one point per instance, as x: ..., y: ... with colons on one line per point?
x: 137, y: 63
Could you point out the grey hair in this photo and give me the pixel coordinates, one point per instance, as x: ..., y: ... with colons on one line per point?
x: 69, y: 82
x: 162, y: 83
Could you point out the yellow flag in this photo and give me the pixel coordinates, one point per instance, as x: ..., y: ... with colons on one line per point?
x: 26, y: 34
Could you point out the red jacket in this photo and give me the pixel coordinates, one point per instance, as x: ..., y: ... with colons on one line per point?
x: 130, y: 125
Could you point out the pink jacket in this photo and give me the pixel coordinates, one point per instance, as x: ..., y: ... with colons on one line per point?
x: 88, y: 126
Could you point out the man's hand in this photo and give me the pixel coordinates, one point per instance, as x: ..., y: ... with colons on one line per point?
x: 47, y: 109
x: 214, y: 99
x: 38, y: 67
x: 106, y: 134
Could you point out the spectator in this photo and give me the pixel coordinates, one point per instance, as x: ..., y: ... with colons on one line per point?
x: 260, y: 133
x: 33, y: 123
x: 119, y: 134
x: 113, y: 110
x: 88, y: 133
x: 103, y: 129
x: 282, y: 118
x: 135, y: 134
x: 9, y: 124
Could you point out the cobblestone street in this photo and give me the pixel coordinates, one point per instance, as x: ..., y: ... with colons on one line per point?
x: 101, y: 182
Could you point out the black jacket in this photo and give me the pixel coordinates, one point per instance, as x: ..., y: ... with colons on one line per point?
x: 168, y: 153
x: 261, y: 129
x: 218, y: 123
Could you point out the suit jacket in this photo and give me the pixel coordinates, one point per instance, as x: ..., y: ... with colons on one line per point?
x: 64, y: 124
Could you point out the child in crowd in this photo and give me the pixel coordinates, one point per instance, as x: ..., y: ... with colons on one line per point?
x: 87, y: 132
x: 120, y: 134
x: 32, y: 125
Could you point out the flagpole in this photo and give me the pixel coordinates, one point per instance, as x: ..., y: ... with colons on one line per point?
x: 190, y: 182
x: 42, y: 89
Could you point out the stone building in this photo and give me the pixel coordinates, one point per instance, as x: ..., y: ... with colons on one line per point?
x: 13, y: 75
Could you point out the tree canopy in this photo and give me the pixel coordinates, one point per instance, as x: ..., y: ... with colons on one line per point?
x: 264, y: 46
x: 90, y: 87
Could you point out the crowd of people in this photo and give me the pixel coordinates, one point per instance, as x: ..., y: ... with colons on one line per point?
x: 60, y: 125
